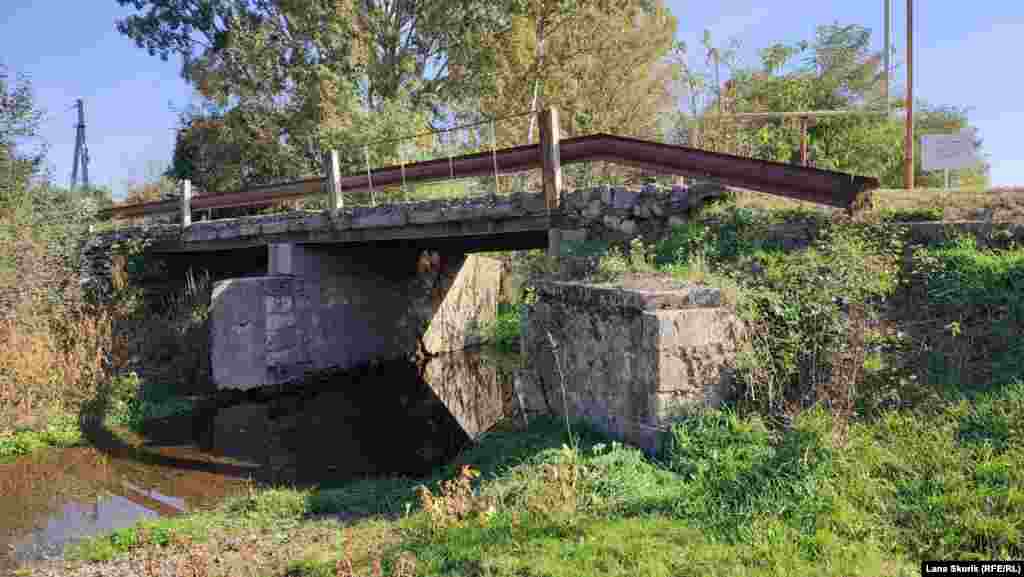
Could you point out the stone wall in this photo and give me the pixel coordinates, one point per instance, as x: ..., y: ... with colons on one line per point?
x: 628, y: 359
x: 619, y: 214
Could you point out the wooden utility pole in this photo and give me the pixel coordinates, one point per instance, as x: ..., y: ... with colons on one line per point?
x: 908, y: 153
x: 332, y: 171
x: 550, y: 157
x: 888, y: 50
x: 186, y: 203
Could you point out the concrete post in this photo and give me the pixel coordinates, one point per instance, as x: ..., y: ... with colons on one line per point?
x: 554, y: 242
x: 186, y: 203
x: 332, y: 172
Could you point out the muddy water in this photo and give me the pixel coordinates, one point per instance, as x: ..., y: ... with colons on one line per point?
x: 397, y: 418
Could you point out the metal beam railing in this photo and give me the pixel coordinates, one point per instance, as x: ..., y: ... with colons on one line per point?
x: 798, y: 182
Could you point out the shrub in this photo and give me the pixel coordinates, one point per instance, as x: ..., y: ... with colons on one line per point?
x: 505, y: 331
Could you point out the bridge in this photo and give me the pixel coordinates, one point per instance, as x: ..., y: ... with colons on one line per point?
x: 347, y: 285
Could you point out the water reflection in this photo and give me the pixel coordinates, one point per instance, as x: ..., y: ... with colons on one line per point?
x: 393, y: 418
x: 60, y: 496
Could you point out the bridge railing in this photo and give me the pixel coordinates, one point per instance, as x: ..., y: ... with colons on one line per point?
x: 549, y: 155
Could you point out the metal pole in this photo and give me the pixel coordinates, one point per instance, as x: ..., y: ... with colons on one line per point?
x: 78, y: 144
x: 945, y: 176
x: 908, y: 152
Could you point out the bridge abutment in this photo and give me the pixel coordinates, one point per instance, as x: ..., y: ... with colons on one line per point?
x: 332, y: 306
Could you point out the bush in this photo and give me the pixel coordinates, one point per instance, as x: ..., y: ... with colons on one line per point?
x: 505, y: 331
x: 970, y: 311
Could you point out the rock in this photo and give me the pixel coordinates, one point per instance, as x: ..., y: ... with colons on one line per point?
x: 628, y: 227
x: 611, y: 222
x: 624, y: 198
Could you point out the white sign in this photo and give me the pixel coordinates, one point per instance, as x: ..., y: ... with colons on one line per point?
x: 948, y: 151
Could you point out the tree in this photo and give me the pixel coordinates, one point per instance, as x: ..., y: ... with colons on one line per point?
x: 835, y: 71
x: 19, y: 120
x: 298, y: 75
x: 602, y: 64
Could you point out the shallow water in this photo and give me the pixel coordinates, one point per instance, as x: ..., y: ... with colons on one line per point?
x: 398, y: 419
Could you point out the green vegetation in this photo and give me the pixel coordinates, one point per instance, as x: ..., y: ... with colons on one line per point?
x: 62, y: 431
x: 505, y: 331
x: 729, y: 496
x: 67, y: 352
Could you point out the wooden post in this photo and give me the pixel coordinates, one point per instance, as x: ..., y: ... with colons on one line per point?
x: 908, y: 143
x: 550, y: 158
x: 803, y: 141
x: 186, y: 203
x: 332, y: 173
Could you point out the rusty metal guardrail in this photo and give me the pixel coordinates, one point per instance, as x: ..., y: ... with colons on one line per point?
x: 798, y: 182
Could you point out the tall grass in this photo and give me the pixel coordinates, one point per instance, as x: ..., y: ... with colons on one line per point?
x: 57, y: 348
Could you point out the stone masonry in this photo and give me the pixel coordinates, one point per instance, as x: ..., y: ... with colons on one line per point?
x: 629, y: 359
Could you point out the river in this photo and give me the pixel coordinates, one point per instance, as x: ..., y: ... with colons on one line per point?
x: 394, y: 418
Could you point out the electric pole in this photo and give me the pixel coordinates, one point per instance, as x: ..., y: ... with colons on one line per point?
x: 81, y: 150
x: 888, y: 43
x: 908, y: 153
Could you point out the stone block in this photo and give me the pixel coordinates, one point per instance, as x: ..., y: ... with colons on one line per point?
x: 278, y: 304
x: 625, y: 199
x: 282, y: 339
x: 279, y: 321
x: 534, y: 204
x: 229, y: 230
x: 676, y: 220
x: 593, y: 209
x: 425, y: 216
x: 380, y: 218
x: 630, y: 354
x: 273, y: 227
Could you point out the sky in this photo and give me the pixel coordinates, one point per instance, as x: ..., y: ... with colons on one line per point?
x: 132, y: 98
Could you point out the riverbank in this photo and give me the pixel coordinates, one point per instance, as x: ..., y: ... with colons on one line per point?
x: 730, y: 496
x: 899, y: 440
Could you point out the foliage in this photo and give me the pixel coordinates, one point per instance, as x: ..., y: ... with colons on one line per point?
x: 969, y: 313
x: 602, y: 64
x: 58, y: 346
x: 834, y: 71
x: 282, y: 81
x: 505, y: 331
x: 60, y: 431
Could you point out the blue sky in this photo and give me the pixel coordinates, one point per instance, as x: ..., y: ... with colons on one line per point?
x: 74, y: 51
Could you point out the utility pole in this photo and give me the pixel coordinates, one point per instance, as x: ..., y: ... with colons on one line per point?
x: 81, y: 150
x: 888, y: 50
x: 908, y: 153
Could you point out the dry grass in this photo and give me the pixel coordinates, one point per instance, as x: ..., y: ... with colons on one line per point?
x: 57, y: 350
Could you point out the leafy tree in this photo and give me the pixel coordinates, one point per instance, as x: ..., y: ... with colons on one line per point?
x: 19, y: 120
x: 283, y: 79
x: 835, y: 71
x: 602, y: 64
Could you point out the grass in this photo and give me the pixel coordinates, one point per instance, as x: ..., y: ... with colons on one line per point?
x: 728, y: 496
x: 61, y: 431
